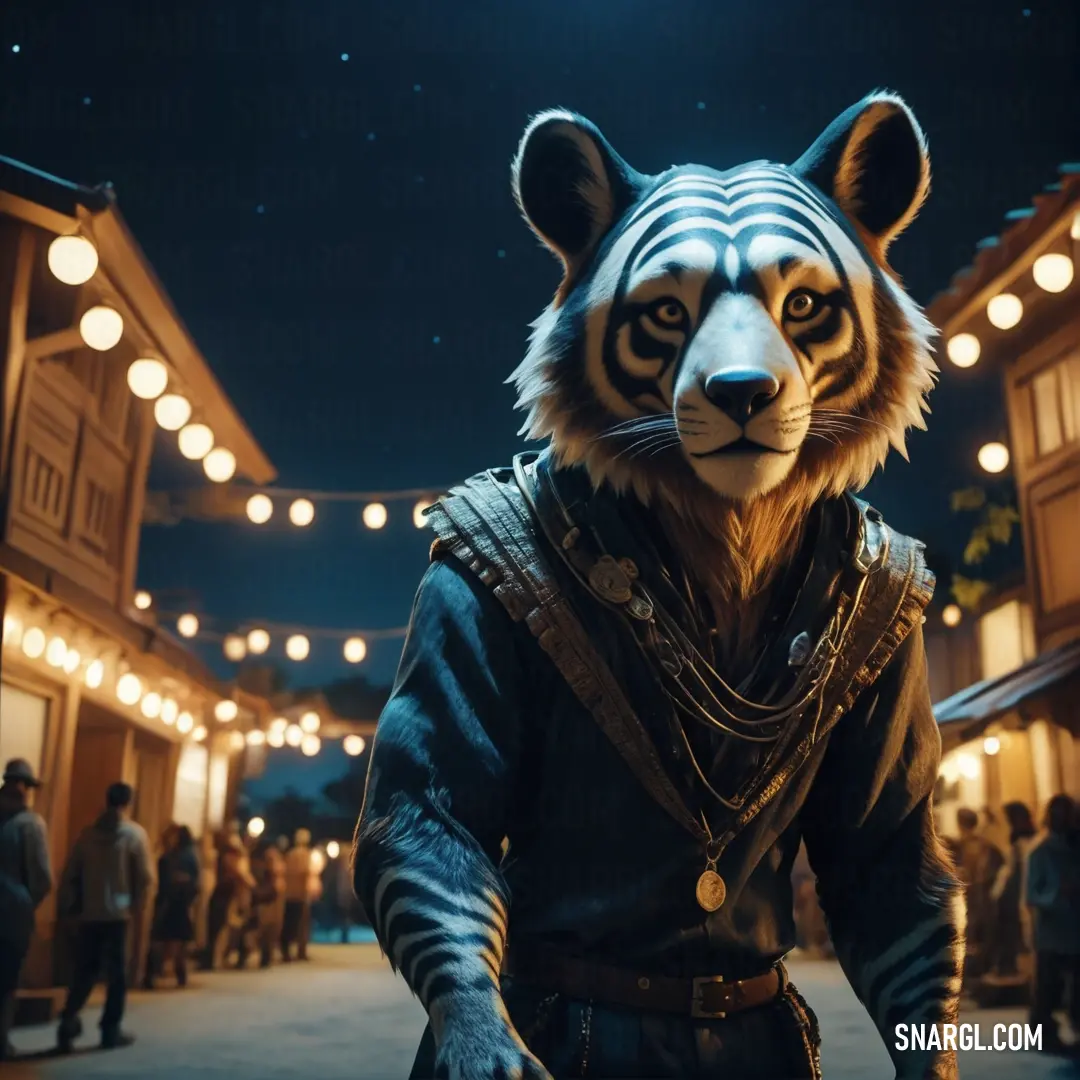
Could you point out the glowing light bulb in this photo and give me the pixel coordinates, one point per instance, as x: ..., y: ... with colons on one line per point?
x: 199, y: 734
x: 169, y: 711
x: 991, y: 745
x: 13, y: 629
x: 73, y: 259
x: 260, y: 508
x: 256, y: 827
x: 279, y: 723
x: 294, y: 735
x: 237, y: 740
x: 151, y: 706
x: 219, y: 465
x: 310, y: 745
x: 1053, y: 272
x: 963, y: 350
x: 234, y: 647
x: 143, y: 600
x: 128, y: 689
x: 255, y: 737
x: 297, y: 647
x: 195, y: 441
x: 375, y: 515
x: 187, y: 626
x: 951, y: 615
x: 994, y: 457
x: 184, y: 723
x: 258, y: 641
x: 275, y: 739
x: 1005, y: 310
x: 72, y: 661
x: 355, y: 650
x: 310, y: 723
x: 56, y: 652
x: 353, y: 745
x: 147, y: 378
x: 302, y: 512
x: 95, y: 674
x: 418, y: 514
x: 226, y: 711
x: 34, y: 642
x: 101, y: 327
x: 333, y: 849
x: 172, y: 412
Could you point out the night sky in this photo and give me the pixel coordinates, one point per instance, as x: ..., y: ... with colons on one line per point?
x: 324, y: 189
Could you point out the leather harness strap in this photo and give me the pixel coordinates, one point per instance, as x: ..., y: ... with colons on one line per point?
x: 704, y: 997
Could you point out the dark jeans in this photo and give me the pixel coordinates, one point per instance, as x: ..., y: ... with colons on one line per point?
x: 12, y: 955
x: 293, y: 930
x: 100, y: 948
x: 1054, y: 973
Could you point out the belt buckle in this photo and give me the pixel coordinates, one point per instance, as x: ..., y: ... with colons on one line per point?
x: 697, y: 1005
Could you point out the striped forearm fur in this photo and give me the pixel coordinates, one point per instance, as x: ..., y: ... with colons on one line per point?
x: 901, y: 946
x: 438, y: 907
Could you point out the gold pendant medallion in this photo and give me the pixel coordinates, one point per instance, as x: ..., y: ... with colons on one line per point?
x: 711, y: 890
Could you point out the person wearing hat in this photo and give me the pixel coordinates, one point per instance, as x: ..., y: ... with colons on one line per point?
x: 25, y: 880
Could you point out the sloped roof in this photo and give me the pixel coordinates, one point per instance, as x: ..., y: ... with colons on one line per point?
x: 995, y: 254
x: 63, y: 207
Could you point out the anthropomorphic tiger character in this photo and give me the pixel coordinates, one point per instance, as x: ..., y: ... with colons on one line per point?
x: 662, y: 652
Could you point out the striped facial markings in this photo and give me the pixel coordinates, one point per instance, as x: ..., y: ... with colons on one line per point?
x: 736, y: 221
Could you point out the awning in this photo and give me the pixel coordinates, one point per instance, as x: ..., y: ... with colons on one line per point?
x: 1042, y: 682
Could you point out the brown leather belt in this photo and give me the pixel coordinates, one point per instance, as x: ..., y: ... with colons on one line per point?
x: 705, y: 997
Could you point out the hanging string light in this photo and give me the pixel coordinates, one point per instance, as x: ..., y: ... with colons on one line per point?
x: 375, y: 515
x: 260, y: 508
x: 147, y: 378
x: 94, y: 675
x: 355, y: 650
x: 353, y: 745
x: 302, y: 513
x: 310, y: 723
x: 143, y: 600
x: 187, y: 625
x: 195, y: 441
x: 258, y: 641
x: 172, y: 412
x: 297, y: 647
x: 234, y: 647
x: 219, y: 465
x: 72, y: 259
x: 226, y: 711
x: 101, y: 327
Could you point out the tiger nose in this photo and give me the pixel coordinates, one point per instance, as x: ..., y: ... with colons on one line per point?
x: 741, y: 392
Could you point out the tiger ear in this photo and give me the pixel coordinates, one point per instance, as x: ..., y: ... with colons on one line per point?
x: 872, y: 161
x: 570, y: 185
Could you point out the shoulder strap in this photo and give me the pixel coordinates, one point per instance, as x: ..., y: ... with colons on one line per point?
x: 486, y: 524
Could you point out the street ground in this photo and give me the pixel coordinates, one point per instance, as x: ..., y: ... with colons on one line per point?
x: 344, y: 1016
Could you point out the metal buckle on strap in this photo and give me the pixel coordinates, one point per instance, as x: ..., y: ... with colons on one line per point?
x: 697, y: 1002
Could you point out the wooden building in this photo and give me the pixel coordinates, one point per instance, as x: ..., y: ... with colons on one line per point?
x: 92, y: 689
x: 1015, y: 733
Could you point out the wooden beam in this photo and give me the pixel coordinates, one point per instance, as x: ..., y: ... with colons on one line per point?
x: 60, y: 341
x: 35, y: 214
x: 16, y: 352
x: 137, y: 473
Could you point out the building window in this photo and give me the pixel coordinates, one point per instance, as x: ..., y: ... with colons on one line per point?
x: 1055, y: 397
x: 1006, y: 639
x: 189, y: 802
x: 219, y: 789
x: 23, y: 718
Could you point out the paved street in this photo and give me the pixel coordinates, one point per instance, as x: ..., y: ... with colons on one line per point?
x: 345, y: 1017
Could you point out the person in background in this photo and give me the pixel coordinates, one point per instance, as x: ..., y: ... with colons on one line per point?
x: 155, y: 954
x: 317, y: 865
x: 978, y: 863
x: 1013, y: 925
x: 994, y: 829
x: 297, y: 886
x: 106, y: 878
x: 272, y: 914
x: 263, y: 896
x: 25, y: 880
x: 1053, y: 891
x: 179, y: 884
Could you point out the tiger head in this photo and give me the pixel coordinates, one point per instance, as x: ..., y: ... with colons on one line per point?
x: 731, y: 333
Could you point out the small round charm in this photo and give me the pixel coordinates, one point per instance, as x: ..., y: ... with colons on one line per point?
x: 711, y: 890
x: 629, y: 568
x: 609, y: 580
x: 640, y: 607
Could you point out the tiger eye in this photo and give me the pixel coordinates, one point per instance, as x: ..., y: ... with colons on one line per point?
x: 799, y: 305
